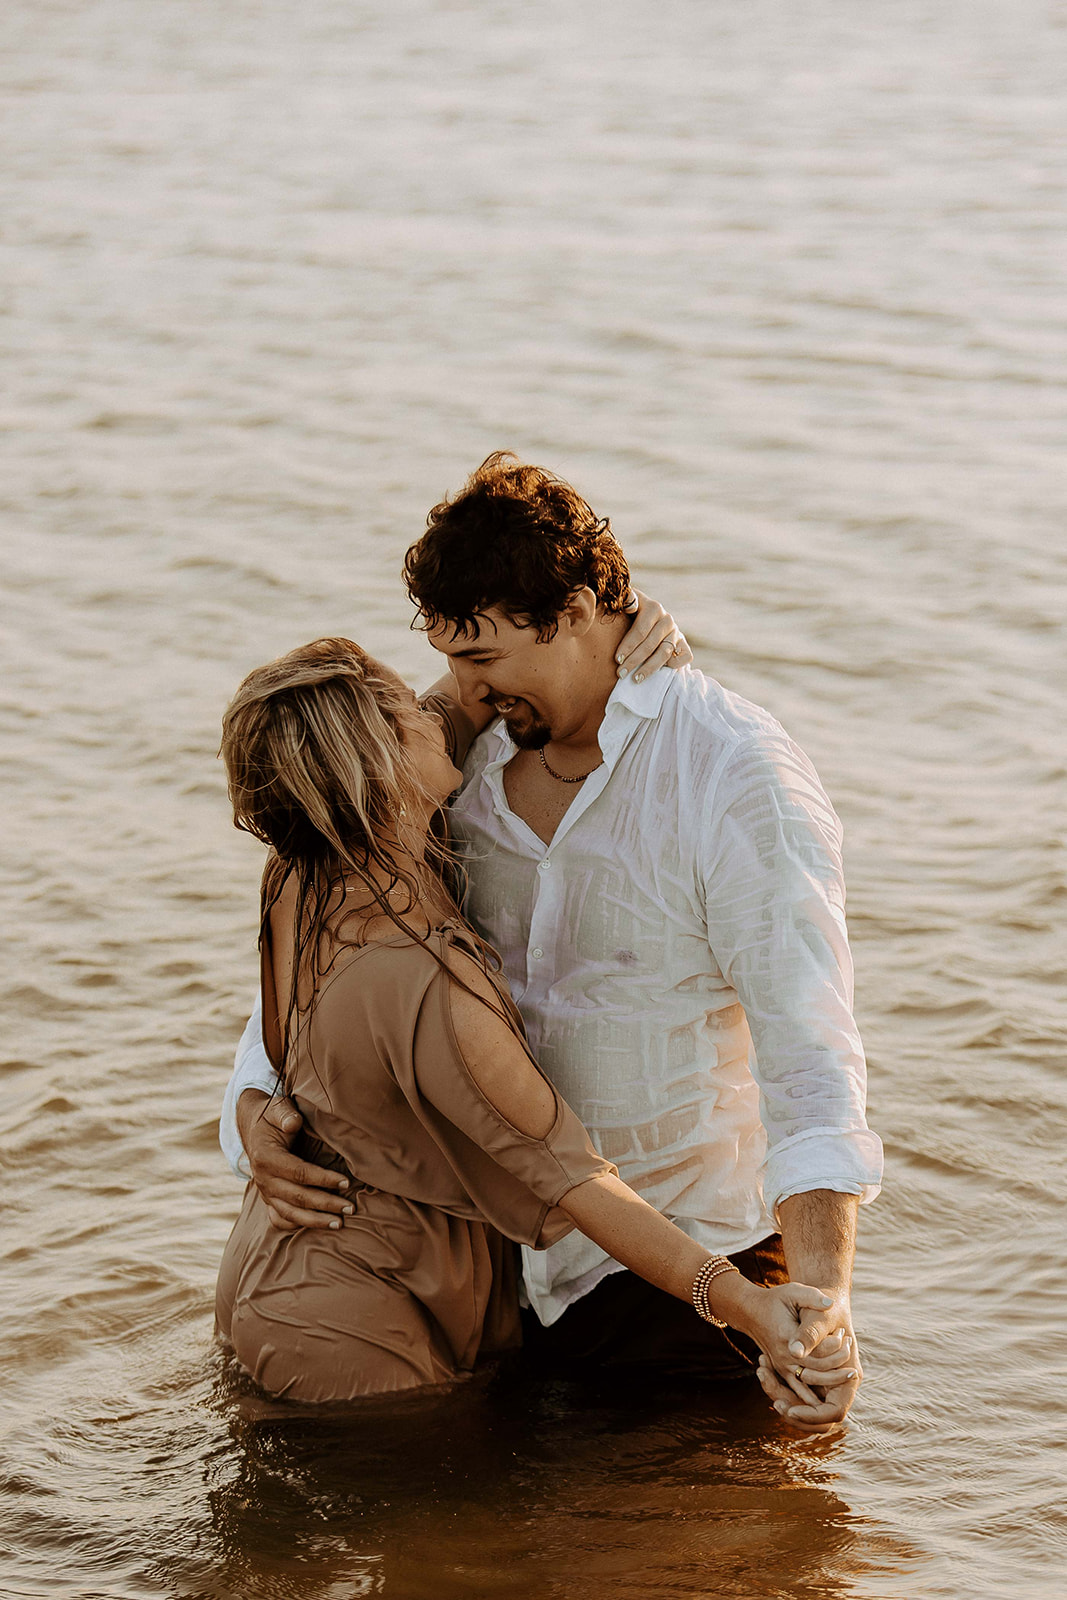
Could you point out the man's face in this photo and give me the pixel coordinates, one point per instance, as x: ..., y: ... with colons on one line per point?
x: 534, y: 686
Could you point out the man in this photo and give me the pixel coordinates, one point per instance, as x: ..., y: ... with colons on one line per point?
x: 660, y: 870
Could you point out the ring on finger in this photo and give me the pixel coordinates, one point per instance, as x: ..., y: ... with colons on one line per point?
x: 798, y: 1372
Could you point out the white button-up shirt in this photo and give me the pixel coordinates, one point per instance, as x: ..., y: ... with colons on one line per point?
x: 678, y: 953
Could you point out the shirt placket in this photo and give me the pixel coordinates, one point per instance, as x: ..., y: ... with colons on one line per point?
x: 545, y: 917
x: 544, y: 925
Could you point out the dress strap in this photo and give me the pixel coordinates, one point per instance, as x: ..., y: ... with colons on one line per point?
x: 457, y: 931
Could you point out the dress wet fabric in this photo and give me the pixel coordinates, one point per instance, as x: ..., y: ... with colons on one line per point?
x: 421, y: 1281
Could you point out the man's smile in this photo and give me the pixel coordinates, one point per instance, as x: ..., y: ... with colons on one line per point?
x: 504, y: 704
x: 525, y: 725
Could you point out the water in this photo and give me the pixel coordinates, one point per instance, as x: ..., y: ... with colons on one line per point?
x: 780, y: 288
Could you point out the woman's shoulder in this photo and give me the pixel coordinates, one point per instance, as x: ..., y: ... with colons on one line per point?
x: 393, y: 976
x: 382, y: 994
x: 391, y: 960
x: 370, y: 997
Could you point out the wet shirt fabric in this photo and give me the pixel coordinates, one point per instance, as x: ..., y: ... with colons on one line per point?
x: 421, y: 1280
x: 679, y: 955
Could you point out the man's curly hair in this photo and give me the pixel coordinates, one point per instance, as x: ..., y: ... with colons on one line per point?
x: 517, y: 538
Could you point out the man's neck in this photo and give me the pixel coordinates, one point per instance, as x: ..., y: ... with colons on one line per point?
x: 599, y: 677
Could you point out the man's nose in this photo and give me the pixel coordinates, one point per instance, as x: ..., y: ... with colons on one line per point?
x: 470, y: 683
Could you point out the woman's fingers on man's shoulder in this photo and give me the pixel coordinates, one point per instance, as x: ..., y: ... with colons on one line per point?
x: 672, y: 651
x: 653, y: 640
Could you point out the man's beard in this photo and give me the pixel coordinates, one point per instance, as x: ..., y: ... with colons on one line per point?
x: 527, y: 732
x: 531, y: 735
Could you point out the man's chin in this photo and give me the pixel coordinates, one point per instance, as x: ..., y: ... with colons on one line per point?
x: 527, y: 735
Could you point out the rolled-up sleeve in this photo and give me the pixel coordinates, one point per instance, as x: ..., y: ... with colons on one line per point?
x: 776, y: 925
x: 251, y: 1070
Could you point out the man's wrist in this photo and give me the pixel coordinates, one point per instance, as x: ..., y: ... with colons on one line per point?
x: 251, y: 1103
x: 819, y: 1239
x: 252, y: 1089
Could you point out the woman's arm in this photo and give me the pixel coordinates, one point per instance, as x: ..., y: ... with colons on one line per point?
x: 640, y: 1238
x: 609, y: 1212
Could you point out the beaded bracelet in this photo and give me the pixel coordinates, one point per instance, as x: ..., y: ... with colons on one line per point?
x: 713, y: 1267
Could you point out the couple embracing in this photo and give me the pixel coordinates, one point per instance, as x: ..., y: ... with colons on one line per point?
x: 631, y: 1053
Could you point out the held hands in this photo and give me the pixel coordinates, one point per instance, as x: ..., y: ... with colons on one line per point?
x: 296, y: 1193
x: 810, y: 1367
x: 820, y: 1397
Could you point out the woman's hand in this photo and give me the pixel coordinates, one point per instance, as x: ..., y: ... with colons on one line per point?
x: 815, y: 1406
x: 654, y: 640
x: 775, y: 1319
x: 813, y: 1402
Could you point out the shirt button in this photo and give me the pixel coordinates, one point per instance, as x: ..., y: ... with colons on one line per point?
x: 537, y: 952
x: 543, y: 866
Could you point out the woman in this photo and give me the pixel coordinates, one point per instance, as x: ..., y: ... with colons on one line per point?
x: 391, y: 1028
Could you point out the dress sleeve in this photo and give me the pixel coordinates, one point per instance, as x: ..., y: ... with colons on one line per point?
x: 515, y: 1180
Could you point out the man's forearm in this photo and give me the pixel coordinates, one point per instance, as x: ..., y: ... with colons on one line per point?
x: 819, y: 1238
x: 251, y: 1105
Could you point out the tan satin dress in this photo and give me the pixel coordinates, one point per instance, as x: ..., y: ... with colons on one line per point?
x: 421, y: 1281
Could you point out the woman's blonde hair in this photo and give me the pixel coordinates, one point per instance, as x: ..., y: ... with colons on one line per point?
x: 313, y: 754
x: 318, y: 770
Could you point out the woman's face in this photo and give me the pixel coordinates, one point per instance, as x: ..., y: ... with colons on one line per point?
x: 424, y: 740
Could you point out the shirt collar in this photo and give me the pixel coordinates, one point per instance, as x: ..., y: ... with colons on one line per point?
x: 643, y: 699
x: 627, y: 702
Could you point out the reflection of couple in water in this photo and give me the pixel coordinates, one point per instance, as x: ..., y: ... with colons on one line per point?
x: 643, y: 1015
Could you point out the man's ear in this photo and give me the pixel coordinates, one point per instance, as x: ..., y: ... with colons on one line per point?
x: 579, y: 614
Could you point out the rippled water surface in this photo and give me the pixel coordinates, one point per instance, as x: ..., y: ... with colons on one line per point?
x: 780, y: 286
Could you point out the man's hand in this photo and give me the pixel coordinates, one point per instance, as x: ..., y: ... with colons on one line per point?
x: 777, y: 1317
x: 295, y: 1193
x: 819, y: 1236
x: 824, y: 1338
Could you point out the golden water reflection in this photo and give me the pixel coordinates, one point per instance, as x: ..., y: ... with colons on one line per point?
x: 518, y: 1487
